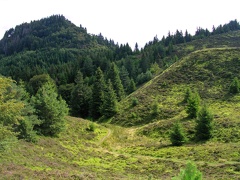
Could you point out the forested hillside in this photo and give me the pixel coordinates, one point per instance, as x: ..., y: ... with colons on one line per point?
x: 57, y: 47
x: 147, y: 111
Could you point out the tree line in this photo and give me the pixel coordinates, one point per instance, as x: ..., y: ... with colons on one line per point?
x: 30, y: 109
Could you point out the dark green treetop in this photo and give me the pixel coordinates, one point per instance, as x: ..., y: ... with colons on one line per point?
x: 177, y: 135
x: 204, y: 125
x: 113, y: 75
x: 110, y: 105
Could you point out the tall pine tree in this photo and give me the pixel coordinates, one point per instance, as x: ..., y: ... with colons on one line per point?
x: 50, y: 109
x: 204, y: 125
x: 113, y: 75
x: 97, y: 94
x: 109, y: 106
x: 124, y: 76
x: 177, y: 135
x: 132, y: 86
x: 193, y: 104
x: 80, y: 97
x: 188, y: 94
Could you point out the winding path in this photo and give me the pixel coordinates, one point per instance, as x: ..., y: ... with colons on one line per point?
x: 105, y: 137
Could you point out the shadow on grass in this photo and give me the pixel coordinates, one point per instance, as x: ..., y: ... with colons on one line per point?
x: 187, y: 119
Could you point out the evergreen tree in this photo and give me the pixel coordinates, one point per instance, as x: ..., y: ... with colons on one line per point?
x: 80, y: 97
x: 65, y: 91
x: 188, y: 94
x: 204, y: 124
x: 168, y: 39
x: 131, y: 68
x: 170, y: 48
x: 144, y: 63
x: 132, y: 87
x: 193, y: 104
x: 161, y: 51
x: 38, y: 81
x: 124, y: 76
x: 177, y: 135
x: 128, y: 49
x: 97, y: 94
x: 25, y: 128
x: 109, y: 105
x: 187, y: 37
x: 179, y: 37
x: 88, y: 67
x: 114, y: 76
x: 189, y: 173
x: 51, y: 110
x: 235, y: 86
x: 136, y: 50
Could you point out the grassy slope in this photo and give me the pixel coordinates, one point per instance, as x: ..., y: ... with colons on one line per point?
x: 210, y: 72
x: 113, y: 152
x: 80, y: 154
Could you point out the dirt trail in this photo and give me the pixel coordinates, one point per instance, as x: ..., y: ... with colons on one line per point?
x: 131, y: 133
x: 105, y: 137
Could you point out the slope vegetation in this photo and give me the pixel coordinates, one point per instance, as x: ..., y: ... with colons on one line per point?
x: 230, y: 39
x: 209, y: 71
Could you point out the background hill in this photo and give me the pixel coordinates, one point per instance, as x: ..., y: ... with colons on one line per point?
x: 56, y: 46
x: 55, y: 31
x: 51, y: 45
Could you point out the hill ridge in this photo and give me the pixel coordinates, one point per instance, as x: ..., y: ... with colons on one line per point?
x: 165, y: 80
x: 147, y: 84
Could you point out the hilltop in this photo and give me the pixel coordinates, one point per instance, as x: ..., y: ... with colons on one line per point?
x: 51, y: 45
x: 55, y: 32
